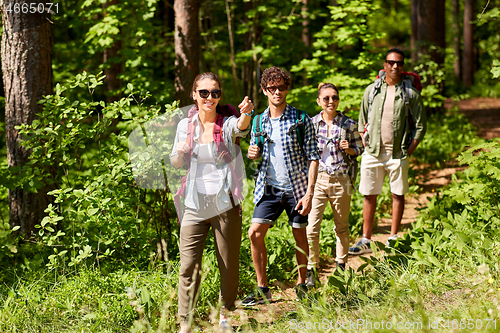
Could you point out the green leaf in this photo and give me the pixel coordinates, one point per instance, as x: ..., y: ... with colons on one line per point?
x: 337, y: 282
x: 434, y: 260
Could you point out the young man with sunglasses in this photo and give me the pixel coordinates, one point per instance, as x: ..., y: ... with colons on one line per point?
x: 285, y: 180
x: 397, y: 123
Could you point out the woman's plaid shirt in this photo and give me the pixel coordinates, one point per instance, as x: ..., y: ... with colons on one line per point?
x: 351, y: 135
x: 296, y: 158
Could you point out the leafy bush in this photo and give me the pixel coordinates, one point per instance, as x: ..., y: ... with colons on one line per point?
x: 464, y: 219
x: 99, y: 210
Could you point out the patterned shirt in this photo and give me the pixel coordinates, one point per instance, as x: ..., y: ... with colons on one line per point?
x: 350, y: 133
x: 230, y: 132
x: 296, y: 157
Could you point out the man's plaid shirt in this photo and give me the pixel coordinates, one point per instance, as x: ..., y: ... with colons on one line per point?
x: 296, y: 158
x: 351, y: 135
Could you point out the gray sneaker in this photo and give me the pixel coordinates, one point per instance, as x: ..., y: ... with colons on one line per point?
x: 311, y: 278
x: 257, y: 297
x: 363, y: 246
x: 301, y: 291
x: 392, y: 240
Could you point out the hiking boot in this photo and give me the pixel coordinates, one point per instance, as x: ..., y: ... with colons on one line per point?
x: 311, y: 278
x: 363, y: 246
x: 301, y: 291
x: 257, y: 297
x: 392, y: 240
x: 341, y: 265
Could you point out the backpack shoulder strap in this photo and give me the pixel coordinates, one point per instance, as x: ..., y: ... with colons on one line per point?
x: 343, y: 129
x: 301, y: 124
x: 219, y: 122
x: 373, y: 93
x: 257, y: 131
x: 407, y: 94
x: 189, y: 139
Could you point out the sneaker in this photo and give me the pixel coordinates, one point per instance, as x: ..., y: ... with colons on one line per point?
x: 392, y: 239
x: 341, y: 265
x: 311, y: 278
x: 363, y: 246
x: 257, y: 297
x: 301, y: 291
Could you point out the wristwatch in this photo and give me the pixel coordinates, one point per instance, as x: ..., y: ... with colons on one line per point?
x: 248, y: 114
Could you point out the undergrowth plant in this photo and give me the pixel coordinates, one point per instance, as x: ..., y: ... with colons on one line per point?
x: 99, y: 213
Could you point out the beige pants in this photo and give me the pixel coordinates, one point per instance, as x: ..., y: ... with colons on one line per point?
x: 337, y: 190
x: 226, y: 229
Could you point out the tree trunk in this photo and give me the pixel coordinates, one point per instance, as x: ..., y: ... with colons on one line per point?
x: 414, y: 31
x: 306, y: 36
x: 113, y: 65
x: 256, y: 62
x: 231, y: 43
x: 206, y: 24
x: 430, y: 36
x: 456, y: 40
x: 468, y: 55
x: 27, y: 76
x: 334, y: 46
x: 248, y: 66
x: 187, y: 47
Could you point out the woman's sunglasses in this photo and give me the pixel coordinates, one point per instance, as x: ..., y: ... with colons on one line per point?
x: 205, y: 93
x: 334, y: 98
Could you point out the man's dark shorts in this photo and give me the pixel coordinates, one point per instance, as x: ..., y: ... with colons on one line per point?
x: 273, y: 203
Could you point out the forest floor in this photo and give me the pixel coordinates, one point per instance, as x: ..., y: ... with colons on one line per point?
x: 482, y: 113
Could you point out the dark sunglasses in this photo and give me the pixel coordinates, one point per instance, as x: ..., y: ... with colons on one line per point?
x: 272, y: 89
x: 205, y: 93
x: 393, y: 62
x: 334, y: 98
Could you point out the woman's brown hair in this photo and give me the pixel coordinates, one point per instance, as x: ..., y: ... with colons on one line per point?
x: 326, y: 85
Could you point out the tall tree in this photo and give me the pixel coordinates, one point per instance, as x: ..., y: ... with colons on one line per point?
x: 456, y: 40
x: 306, y: 35
x: 187, y: 42
x: 112, y: 61
x: 231, y: 44
x: 468, y: 50
x: 428, y: 29
x: 27, y: 76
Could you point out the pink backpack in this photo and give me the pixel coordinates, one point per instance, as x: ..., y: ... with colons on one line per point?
x: 223, y: 153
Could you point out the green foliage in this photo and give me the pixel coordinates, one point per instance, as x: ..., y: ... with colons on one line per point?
x: 448, y: 134
x: 102, y: 219
x: 463, y: 221
x: 89, y: 301
x: 432, y: 76
x: 347, y: 67
x: 495, y: 70
x: 99, y: 212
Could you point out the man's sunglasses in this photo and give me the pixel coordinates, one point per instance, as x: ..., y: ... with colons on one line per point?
x: 393, y: 62
x: 281, y: 87
x: 334, y: 98
x: 205, y: 93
